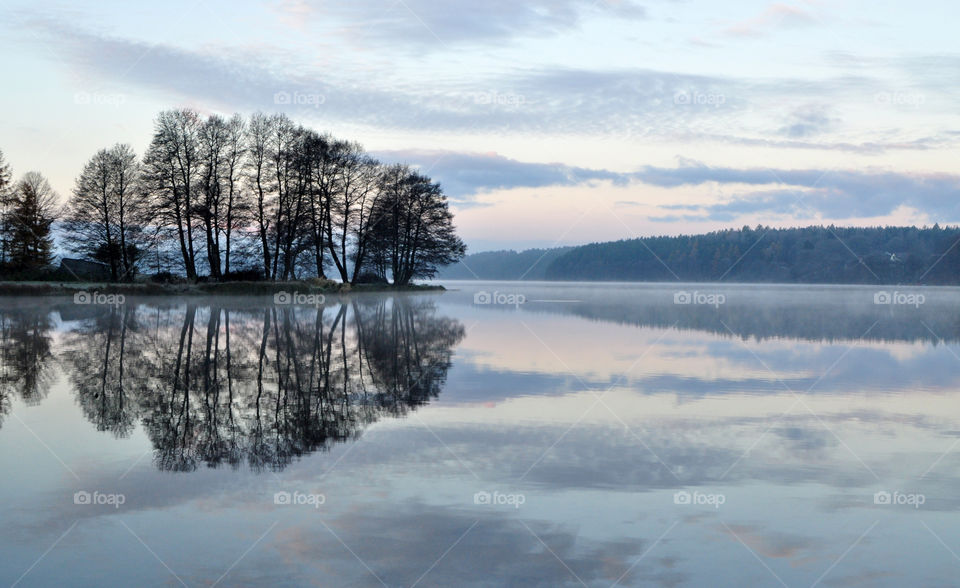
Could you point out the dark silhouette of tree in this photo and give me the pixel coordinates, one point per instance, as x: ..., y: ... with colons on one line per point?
x: 32, y: 214
x: 171, y: 171
x: 26, y: 355
x: 102, y: 220
x: 869, y: 255
x: 6, y: 205
x: 413, y: 228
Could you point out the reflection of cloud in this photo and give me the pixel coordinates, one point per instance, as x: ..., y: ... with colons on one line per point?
x: 773, y: 544
x: 496, y: 551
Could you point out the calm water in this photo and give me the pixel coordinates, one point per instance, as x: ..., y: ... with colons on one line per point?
x: 492, y: 435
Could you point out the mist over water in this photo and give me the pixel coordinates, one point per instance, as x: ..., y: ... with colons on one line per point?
x: 495, y: 434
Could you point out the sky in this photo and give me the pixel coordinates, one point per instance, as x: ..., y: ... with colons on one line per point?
x: 547, y: 122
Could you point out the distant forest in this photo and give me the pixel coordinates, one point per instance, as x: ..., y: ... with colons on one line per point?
x: 820, y: 254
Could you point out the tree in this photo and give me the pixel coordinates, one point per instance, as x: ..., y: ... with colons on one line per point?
x: 237, y: 203
x: 171, y: 171
x: 259, y: 132
x: 413, y: 226
x: 351, y: 200
x: 6, y: 184
x: 32, y: 214
x: 101, y: 220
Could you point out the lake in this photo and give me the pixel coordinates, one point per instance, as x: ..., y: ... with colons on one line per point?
x: 497, y: 434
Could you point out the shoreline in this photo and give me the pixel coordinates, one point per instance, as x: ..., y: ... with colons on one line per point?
x: 203, y: 289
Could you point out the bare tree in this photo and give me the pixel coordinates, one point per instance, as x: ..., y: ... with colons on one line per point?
x: 259, y: 134
x: 101, y: 220
x: 171, y: 168
x: 237, y: 202
x: 6, y: 203
x: 414, y: 231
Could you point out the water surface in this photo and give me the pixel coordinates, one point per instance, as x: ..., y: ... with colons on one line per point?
x: 498, y: 434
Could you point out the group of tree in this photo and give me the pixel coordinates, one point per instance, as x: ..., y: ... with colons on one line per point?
x: 229, y: 198
x: 818, y: 254
x: 28, y: 209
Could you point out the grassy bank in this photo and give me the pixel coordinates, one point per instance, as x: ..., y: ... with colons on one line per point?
x: 201, y: 289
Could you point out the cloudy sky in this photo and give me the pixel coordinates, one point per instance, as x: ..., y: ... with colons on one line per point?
x: 547, y: 121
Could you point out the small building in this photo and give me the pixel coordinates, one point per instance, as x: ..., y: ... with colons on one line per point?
x: 82, y: 269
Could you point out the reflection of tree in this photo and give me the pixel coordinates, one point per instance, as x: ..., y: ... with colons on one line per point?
x: 25, y: 353
x: 106, y: 368
x: 226, y: 385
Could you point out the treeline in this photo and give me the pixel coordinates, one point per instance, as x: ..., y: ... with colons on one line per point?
x: 235, y: 198
x: 819, y: 254
x: 530, y: 264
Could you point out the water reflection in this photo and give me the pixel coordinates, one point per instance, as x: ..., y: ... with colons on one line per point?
x: 25, y: 354
x: 220, y: 385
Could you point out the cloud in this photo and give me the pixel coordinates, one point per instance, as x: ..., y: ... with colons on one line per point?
x: 466, y: 174
x: 775, y: 16
x: 807, y: 121
x: 419, y: 24
x: 835, y: 194
x: 555, y: 100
